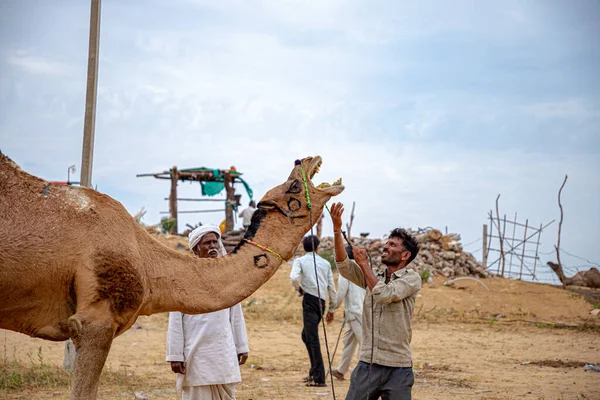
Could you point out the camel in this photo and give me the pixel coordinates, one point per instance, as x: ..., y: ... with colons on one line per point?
x: 74, y: 263
x: 589, y: 278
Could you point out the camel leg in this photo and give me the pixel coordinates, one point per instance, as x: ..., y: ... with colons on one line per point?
x: 92, y: 338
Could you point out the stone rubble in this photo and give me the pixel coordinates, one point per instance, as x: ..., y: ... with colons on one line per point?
x: 439, y: 254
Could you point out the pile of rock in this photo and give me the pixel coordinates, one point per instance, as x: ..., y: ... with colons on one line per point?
x: 231, y: 239
x: 438, y: 253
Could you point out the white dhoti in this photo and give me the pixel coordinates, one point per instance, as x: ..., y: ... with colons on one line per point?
x: 354, y: 297
x: 209, y: 392
x: 352, y: 340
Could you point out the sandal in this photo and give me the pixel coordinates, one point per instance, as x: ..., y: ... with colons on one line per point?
x: 337, y: 374
x: 315, y: 384
x: 307, y: 379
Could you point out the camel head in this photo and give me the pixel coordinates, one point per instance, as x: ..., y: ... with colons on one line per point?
x: 286, y: 207
x: 555, y: 267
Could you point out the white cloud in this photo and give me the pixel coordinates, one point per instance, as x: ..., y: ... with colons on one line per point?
x: 265, y: 82
x: 38, y: 65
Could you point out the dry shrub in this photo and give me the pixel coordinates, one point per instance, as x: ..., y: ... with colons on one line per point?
x: 18, y: 375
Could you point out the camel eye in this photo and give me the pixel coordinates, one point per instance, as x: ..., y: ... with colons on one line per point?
x: 295, y: 187
x: 294, y: 204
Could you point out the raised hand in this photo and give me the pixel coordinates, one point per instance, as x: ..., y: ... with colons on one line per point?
x: 360, y: 256
x: 337, y: 209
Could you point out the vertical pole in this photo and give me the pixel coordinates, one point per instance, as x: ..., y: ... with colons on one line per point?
x: 87, y: 152
x: 320, y: 226
x: 173, y: 199
x: 349, y: 225
x: 90, y: 97
x: 500, y: 237
x: 484, y: 261
x: 523, y: 253
x: 537, y: 246
x: 512, y: 241
x: 230, y: 190
x: 502, y: 247
x: 489, y: 244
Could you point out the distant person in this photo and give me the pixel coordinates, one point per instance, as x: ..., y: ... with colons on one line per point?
x: 385, y: 366
x: 353, y: 297
x: 303, y: 279
x: 206, y: 350
x: 247, y: 213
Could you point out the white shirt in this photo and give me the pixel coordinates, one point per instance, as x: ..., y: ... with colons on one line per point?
x: 209, y: 345
x: 303, y: 276
x: 353, y: 296
x: 247, y: 215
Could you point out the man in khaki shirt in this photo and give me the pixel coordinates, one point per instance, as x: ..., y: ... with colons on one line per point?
x: 385, y: 366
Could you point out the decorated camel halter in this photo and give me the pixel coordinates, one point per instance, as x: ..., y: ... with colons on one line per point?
x: 264, y: 248
x: 309, y: 204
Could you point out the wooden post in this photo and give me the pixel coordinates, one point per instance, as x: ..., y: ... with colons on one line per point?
x: 173, y: 198
x: 484, y: 258
x: 557, y: 245
x: 230, y: 202
x: 537, y: 247
x: 523, y: 252
x: 512, y: 242
x: 349, y: 225
x: 504, y: 255
x: 90, y: 97
x: 500, y: 238
x: 320, y: 226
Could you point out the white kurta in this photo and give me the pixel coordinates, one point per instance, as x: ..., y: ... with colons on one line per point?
x: 353, y: 296
x: 209, y: 345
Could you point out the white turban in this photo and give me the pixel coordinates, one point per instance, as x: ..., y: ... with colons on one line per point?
x: 202, y: 230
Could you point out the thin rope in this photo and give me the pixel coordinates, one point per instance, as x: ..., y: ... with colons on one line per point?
x: 372, y: 337
x: 372, y: 313
x: 317, y: 275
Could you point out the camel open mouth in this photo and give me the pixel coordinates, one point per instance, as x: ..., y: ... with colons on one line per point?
x: 332, y: 189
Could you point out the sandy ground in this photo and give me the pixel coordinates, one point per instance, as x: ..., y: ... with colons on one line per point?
x: 468, y: 343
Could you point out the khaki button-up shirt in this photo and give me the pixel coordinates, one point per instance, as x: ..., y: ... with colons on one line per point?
x: 390, y: 307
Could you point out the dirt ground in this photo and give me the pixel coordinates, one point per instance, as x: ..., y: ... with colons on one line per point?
x: 516, y: 341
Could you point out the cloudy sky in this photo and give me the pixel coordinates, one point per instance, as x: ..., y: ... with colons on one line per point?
x: 428, y: 110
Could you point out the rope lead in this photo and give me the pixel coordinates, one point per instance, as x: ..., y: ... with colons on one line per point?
x: 316, y: 274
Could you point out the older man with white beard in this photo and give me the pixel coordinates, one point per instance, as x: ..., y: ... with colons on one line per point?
x: 206, y: 350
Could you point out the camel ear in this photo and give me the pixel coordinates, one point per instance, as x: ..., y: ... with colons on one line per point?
x: 266, y: 205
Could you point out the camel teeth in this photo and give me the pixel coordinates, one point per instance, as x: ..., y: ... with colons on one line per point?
x: 338, y: 182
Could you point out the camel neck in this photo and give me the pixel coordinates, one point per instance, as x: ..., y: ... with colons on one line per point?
x: 192, y: 285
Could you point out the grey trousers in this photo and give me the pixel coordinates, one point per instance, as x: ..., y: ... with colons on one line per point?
x: 387, y: 383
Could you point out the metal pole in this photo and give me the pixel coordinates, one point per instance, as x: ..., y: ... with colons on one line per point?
x: 87, y: 153
x: 90, y: 97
